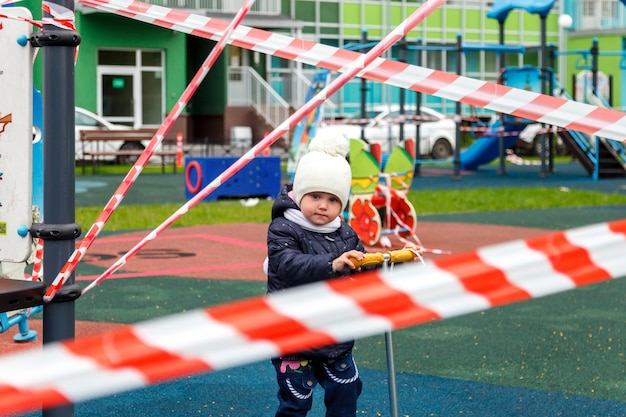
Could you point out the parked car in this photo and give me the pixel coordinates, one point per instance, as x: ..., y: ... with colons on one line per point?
x: 86, y: 120
x: 437, y: 134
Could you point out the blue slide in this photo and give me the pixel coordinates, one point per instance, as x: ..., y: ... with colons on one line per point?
x: 486, y: 148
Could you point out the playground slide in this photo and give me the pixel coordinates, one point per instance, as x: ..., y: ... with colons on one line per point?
x: 486, y: 148
x: 611, y: 158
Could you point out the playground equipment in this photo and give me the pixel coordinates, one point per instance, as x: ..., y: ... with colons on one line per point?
x: 509, y: 131
x: 565, y: 261
x: 485, y: 149
x: 601, y: 157
x: 21, y: 173
x: 261, y: 178
x: 378, y: 202
x: 388, y: 260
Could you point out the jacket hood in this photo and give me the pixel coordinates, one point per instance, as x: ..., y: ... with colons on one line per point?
x: 283, y: 202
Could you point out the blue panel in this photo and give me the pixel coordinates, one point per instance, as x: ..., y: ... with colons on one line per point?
x: 501, y: 8
x: 38, y: 152
x: 259, y: 178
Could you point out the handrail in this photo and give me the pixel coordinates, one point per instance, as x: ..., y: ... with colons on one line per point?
x: 265, y: 7
x: 619, y: 150
x: 306, y: 82
x: 247, y: 88
x: 586, y: 144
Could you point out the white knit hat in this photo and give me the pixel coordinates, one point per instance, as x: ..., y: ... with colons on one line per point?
x: 324, y: 168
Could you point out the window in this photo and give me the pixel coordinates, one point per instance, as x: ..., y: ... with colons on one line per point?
x: 130, y: 86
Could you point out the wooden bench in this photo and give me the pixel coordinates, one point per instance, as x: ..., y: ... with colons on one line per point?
x: 99, y: 137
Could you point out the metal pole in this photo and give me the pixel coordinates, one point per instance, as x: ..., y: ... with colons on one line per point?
x: 594, y: 86
x: 391, y: 368
x: 595, y: 50
x: 542, y: 65
x: 550, y: 73
x: 501, y: 37
x: 59, y: 179
x: 401, y: 58
x: 391, y: 371
x: 418, y: 112
x: 363, y: 90
x: 502, y: 166
x: 457, y: 148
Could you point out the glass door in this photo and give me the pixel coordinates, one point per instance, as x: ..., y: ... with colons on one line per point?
x: 130, y: 87
x: 117, y: 96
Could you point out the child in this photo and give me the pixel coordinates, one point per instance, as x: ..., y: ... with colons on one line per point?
x: 307, y: 242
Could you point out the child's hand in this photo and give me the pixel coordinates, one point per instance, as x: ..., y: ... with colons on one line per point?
x: 344, y: 261
x: 415, y: 249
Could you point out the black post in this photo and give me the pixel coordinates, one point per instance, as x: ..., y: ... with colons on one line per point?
x: 402, y: 58
x: 542, y: 65
x: 418, y: 105
x: 501, y: 39
x: 594, y: 66
x: 59, y: 179
x: 363, y: 90
x: 550, y: 71
x: 457, y: 147
x: 501, y: 150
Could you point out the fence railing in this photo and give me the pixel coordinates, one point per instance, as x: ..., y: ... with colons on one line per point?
x: 265, y: 7
x: 247, y: 88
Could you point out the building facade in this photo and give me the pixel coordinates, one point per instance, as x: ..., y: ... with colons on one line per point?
x: 133, y: 73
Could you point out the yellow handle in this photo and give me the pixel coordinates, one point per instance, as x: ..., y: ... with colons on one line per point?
x: 377, y: 258
x: 402, y: 255
x: 374, y: 258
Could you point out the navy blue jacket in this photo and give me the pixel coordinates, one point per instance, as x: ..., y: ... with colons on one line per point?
x: 297, y: 256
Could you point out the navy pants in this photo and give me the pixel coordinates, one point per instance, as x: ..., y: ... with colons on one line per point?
x: 297, y: 379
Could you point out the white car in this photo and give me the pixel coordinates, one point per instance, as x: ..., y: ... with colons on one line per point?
x: 437, y: 133
x: 86, y: 120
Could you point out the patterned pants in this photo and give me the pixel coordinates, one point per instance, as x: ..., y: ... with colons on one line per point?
x: 297, y: 379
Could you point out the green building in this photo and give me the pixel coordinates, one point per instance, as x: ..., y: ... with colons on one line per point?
x: 133, y: 72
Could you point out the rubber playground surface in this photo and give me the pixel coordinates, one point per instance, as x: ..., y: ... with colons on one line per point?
x: 561, y: 355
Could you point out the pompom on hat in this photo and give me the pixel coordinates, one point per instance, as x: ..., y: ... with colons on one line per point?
x: 324, y: 168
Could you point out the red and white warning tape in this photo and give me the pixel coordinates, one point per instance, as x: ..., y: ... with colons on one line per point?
x: 518, y: 160
x: 145, y: 156
x: 60, y: 16
x: 525, y: 104
x: 392, y: 72
x: 326, y: 312
x: 355, y: 68
x: 402, y: 119
x: 38, y: 262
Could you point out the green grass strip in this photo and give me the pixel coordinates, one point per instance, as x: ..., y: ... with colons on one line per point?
x: 425, y: 202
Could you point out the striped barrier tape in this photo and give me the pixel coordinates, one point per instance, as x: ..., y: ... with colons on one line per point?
x: 521, y: 103
x: 309, y: 316
x: 155, y: 142
x: 60, y: 16
x: 517, y: 160
x: 38, y: 262
x: 20, y: 18
x: 402, y: 119
x: 355, y: 68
